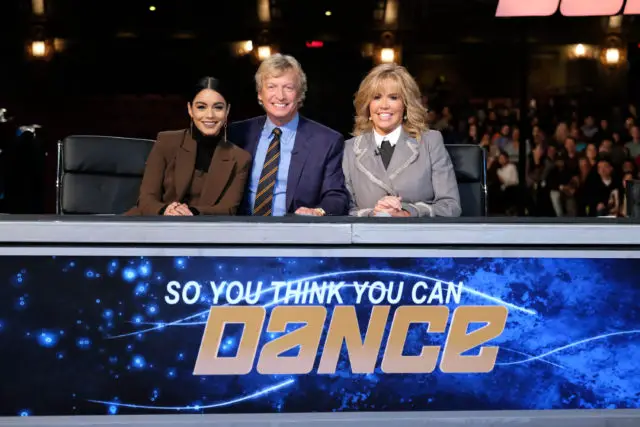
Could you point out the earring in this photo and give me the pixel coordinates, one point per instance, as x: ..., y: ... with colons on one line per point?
x: 405, y: 118
x: 369, y: 118
x: 225, y: 131
x: 191, y: 127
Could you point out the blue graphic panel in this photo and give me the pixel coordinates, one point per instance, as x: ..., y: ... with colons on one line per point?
x: 102, y: 335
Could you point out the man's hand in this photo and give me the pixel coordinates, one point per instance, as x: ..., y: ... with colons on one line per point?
x: 308, y: 211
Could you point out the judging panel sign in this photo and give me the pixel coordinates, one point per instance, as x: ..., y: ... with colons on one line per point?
x: 95, y: 335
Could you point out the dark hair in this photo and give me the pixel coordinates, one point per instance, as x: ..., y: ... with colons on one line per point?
x: 207, y: 83
x: 605, y: 159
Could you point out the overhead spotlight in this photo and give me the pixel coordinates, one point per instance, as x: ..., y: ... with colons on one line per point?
x: 612, y: 56
x: 387, y: 55
x: 38, y: 49
x: 328, y: 13
x: 152, y: 8
x: 264, y: 52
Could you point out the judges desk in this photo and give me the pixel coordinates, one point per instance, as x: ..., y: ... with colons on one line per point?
x: 111, y: 320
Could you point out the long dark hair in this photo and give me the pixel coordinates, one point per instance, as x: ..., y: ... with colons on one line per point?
x: 207, y: 83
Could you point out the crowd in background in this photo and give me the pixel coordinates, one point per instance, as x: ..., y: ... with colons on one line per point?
x: 577, y: 159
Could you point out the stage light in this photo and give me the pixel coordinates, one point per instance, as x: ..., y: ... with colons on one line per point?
x: 37, y: 6
x: 39, y: 49
x: 264, y: 52
x: 612, y: 56
x: 264, y: 11
x: 580, y: 51
x: 328, y: 13
x: 152, y: 8
x: 387, y: 55
x: 615, y: 22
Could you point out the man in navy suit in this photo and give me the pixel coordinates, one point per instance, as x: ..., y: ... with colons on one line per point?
x: 297, y: 163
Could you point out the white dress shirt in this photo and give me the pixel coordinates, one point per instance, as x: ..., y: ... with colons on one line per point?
x: 393, y: 137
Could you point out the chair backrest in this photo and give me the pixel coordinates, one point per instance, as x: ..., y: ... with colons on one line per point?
x: 469, y: 164
x: 99, y: 174
x: 631, y: 203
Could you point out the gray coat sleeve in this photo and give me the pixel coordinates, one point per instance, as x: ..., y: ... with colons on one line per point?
x: 446, y: 201
x: 348, y: 163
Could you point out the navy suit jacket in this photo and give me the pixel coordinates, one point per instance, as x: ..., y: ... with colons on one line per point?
x: 315, y: 177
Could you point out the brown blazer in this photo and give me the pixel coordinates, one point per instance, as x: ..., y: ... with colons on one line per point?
x: 169, y: 170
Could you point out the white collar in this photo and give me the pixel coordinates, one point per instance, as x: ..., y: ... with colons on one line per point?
x: 393, y: 137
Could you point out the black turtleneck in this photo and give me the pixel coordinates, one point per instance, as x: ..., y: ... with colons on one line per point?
x: 206, y: 146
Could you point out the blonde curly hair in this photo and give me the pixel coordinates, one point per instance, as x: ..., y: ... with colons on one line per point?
x: 416, y: 114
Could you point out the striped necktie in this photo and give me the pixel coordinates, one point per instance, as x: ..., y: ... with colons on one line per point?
x: 264, y: 194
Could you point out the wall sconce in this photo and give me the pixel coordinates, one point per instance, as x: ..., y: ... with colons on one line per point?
x: 264, y: 52
x: 580, y: 51
x: 242, y: 48
x: 612, y: 56
x: 388, y: 52
x: 37, y: 7
x: 368, y: 50
x: 264, y: 11
x: 387, y: 55
x: 615, y: 22
x: 39, y: 49
x: 613, y: 53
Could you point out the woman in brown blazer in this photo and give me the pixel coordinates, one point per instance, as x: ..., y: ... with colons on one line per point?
x: 195, y: 171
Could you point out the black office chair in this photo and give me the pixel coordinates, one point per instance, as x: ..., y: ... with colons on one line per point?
x: 99, y: 174
x: 470, y: 165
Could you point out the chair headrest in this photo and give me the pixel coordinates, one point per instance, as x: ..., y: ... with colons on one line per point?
x: 468, y: 162
x: 105, y: 154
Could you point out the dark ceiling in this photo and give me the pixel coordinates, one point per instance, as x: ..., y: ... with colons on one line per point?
x: 420, y: 21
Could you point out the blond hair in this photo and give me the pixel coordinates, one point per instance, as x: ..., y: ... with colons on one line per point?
x: 561, y: 133
x: 278, y: 64
x: 415, y: 113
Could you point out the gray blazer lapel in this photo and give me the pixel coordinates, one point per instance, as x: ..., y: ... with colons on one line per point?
x: 367, y: 162
x: 405, y: 153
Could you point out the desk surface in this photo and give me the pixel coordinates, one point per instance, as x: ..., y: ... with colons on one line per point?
x: 569, y: 418
x: 317, y: 231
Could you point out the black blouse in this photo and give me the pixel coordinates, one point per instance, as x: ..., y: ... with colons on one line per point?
x: 206, y: 146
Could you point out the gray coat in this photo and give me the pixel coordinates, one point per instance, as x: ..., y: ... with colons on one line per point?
x: 419, y: 172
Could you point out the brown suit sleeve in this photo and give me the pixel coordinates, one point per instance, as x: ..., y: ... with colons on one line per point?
x: 150, y: 199
x: 232, y: 197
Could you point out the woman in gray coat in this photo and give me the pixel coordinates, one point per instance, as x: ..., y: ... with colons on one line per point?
x: 395, y: 166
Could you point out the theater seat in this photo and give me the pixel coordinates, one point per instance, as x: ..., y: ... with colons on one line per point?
x: 99, y: 174
x: 470, y: 167
x: 632, y: 191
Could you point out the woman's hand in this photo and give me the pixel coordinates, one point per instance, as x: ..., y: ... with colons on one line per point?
x: 177, y: 209
x: 390, y: 202
x: 391, y: 205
